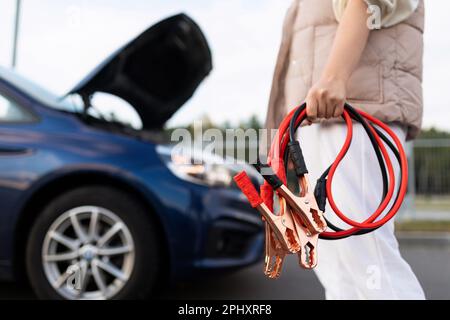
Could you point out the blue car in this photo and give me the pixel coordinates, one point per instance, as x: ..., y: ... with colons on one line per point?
x: 92, y: 207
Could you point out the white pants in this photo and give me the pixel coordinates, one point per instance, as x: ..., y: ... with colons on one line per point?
x: 360, y: 267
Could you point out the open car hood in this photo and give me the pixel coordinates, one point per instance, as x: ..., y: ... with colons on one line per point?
x: 157, y: 72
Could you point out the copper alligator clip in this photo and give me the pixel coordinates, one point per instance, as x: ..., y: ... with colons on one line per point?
x: 274, y: 252
x: 306, y: 243
x: 274, y: 255
x: 305, y: 206
x: 286, y: 232
x: 311, y: 216
x: 281, y: 225
x: 283, y: 228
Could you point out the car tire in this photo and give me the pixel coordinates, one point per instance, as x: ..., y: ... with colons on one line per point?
x: 114, y: 208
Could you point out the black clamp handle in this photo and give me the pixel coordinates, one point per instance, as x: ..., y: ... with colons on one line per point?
x: 320, y: 193
x: 296, y: 154
x: 268, y: 175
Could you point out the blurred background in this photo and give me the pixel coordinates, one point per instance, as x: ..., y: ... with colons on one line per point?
x: 48, y: 36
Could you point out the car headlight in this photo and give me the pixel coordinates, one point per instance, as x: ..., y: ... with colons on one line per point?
x: 202, y: 169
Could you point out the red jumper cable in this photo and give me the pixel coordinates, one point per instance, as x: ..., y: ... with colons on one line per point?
x: 306, y: 211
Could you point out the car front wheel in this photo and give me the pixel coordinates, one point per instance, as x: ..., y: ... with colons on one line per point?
x: 93, y: 243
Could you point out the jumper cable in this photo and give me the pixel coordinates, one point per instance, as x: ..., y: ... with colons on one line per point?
x: 302, y: 217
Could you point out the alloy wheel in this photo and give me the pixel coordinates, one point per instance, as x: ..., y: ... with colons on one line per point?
x: 88, y: 253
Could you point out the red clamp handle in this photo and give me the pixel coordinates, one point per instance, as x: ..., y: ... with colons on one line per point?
x: 248, y: 189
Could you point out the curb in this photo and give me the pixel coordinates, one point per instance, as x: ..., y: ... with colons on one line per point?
x: 424, y: 238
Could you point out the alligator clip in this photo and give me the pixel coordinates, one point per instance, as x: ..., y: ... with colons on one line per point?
x: 282, y: 225
x: 308, y: 242
x: 305, y: 205
x: 310, y: 215
x: 306, y: 208
x: 307, y: 256
x: 274, y: 255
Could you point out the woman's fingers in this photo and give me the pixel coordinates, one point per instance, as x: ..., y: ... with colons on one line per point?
x: 322, y: 97
x: 339, y: 109
x: 322, y: 107
x: 331, y: 104
x: 326, y: 99
x: 311, y: 108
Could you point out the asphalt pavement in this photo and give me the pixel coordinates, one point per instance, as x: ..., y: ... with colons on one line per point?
x: 428, y: 255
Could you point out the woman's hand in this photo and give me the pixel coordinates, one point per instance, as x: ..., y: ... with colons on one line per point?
x: 326, y: 99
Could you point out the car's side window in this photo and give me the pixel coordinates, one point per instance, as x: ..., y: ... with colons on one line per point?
x: 11, y: 112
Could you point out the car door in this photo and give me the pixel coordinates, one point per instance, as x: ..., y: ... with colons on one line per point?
x: 15, y: 156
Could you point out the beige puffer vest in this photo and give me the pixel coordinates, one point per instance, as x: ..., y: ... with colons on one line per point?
x: 387, y: 83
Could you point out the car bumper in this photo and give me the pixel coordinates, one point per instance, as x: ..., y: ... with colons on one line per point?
x: 231, y: 234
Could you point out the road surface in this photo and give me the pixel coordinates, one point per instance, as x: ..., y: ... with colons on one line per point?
x: 429, y: 258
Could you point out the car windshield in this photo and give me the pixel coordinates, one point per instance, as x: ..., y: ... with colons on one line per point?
x: 105, y: 107
x: 32, y: 89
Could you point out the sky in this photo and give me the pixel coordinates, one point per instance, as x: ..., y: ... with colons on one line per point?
x: 62, y: 40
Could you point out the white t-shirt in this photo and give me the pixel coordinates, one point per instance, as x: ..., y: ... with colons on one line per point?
x: 392, y: 11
